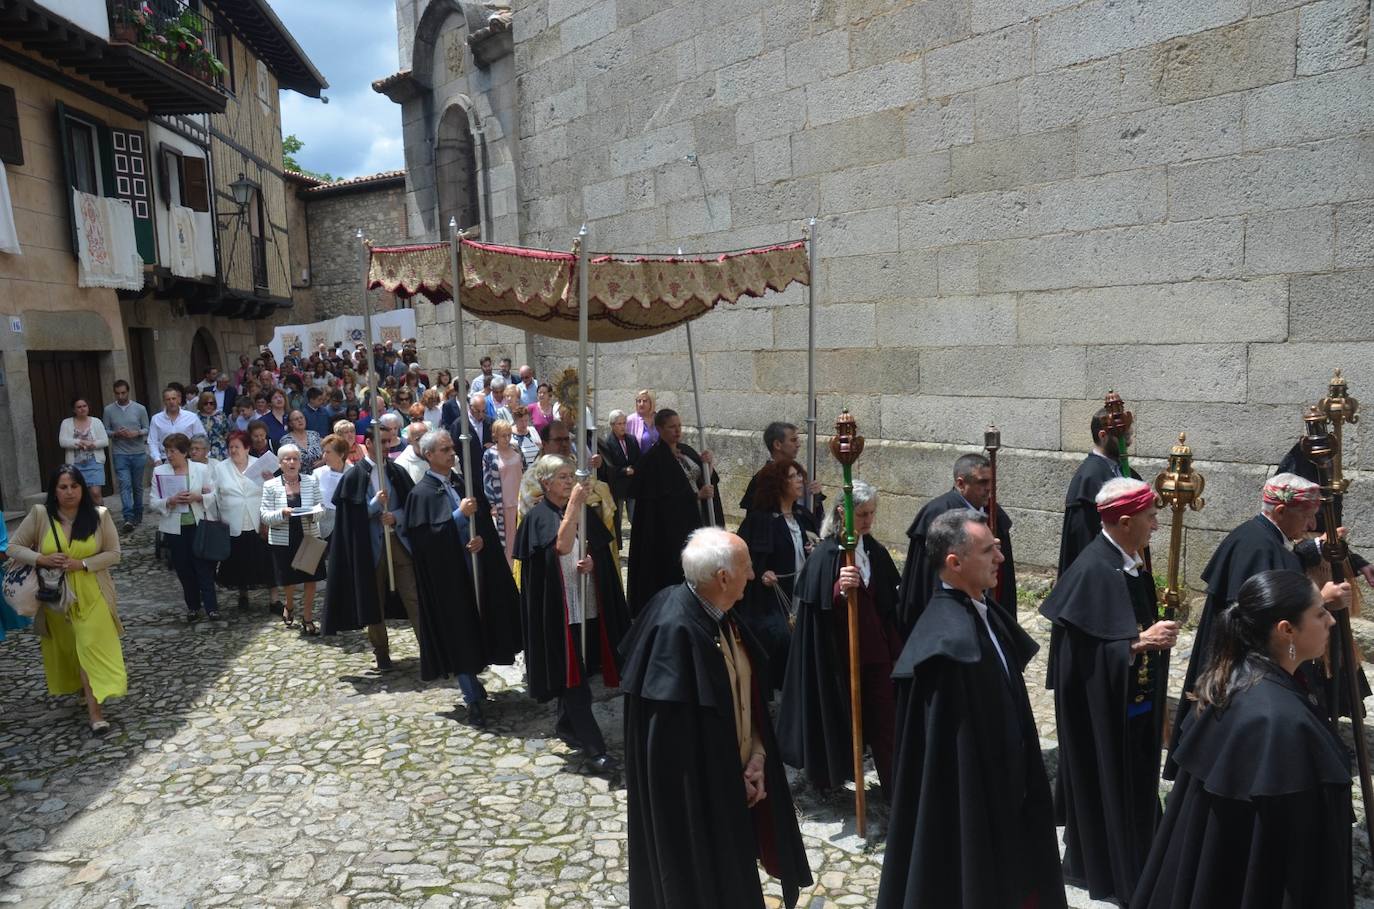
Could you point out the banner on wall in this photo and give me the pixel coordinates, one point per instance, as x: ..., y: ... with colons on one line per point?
x: 395, y: 326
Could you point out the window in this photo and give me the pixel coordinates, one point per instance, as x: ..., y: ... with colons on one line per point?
x: 83, y: 151
x: 102, y: 161
x: 11, y: 147
x: 258, y: 235
x: 224, y: 49
x: 183, y: 179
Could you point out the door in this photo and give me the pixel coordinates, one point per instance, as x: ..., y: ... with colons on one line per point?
x: 143, y: 368
x: 56, y: 377
x: 202, y: 355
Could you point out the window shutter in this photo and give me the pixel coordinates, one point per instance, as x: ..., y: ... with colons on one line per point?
x: 11, y: 147
x: 64, y: 142
x: 196, y: 186
x: 164, y: 173
x: 132, y: 183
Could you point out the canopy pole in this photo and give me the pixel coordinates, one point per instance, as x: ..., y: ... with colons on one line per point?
x: 460, y: 376
x: 374, y: 392
x: 701, y: 426
x: 810, y: 360
x: 579, y: 436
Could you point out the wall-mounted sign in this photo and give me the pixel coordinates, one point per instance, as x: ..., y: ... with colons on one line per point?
x: 16, y: 324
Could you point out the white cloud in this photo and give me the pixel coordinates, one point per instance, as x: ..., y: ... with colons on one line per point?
x: 352, y: 42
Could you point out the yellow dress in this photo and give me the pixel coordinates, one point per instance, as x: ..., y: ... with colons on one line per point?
x: 84, y: 638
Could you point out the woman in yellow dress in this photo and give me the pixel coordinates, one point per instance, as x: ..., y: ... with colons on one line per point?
x: 81, y: 650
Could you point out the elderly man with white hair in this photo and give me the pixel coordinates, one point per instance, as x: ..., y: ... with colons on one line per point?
x: 707, y: 795
x: 1273, y: 539
x: 1108, y: 685
x: 410, y: 460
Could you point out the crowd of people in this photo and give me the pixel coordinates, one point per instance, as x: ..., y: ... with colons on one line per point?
x: 732, y: 650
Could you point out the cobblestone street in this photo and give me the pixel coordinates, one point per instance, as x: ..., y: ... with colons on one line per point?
x: 250, y: 766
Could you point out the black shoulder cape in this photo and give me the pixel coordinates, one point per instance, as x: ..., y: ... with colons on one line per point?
x: 450, y: 634
x: 767, y: 610
x: 1107, y: 786
x: 501, y: 621
x: 549, y: 663
x: 971, y: 780
x: 350, y: 597
x: 813, y: 714
x: 919, y: 580
x: 1261, y: 813
x: 1081, y: 521
x: 693, y: 841
x: 667, y: 510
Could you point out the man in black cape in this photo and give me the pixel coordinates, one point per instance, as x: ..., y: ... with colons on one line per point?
x: 668, y: 507
x: 972, y: 822
x: 813, y: 713
x: 1081, y: 522
x: 358, y: 594
x: 1108, y: 685
x: 972, y: 489
x: 707, y: 795
x: 1297, y: 462
x: 554, y: 615
x: 783, y: 444
x: 452, y: 634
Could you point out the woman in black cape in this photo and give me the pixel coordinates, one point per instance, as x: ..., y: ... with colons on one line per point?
x: 1260, y: 815
x: 779, y: 535
x: 671, y: 486
x: 813, y: 716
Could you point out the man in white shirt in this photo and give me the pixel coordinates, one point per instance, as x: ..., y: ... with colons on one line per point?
x: 169, y: 420
x: 410, y: 460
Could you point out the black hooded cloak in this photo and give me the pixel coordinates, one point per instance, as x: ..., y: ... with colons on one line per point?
x: 451, y: 635
x: 1260, y: 817
x: 694, y: 842
x: 919, y: 580
x: 813, y: 714
x: 972, y: 822
x: 350, y: 597
x: 667, y: 510
x: 550, y: 666
x: 1105, y: 698
x: 1082, y: 524
x: 767, y: 610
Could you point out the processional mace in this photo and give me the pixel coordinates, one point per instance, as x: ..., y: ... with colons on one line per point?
x: 375, y: 393
x: 1322, y: 448
x: 1178, y: 487
x: 846, y: 447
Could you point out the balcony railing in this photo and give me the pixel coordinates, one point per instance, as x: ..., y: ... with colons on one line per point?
x: 171, y: 31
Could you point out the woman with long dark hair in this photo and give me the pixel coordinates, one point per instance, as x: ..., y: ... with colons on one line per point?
x: 1260, y: 812
x: 80, y: 635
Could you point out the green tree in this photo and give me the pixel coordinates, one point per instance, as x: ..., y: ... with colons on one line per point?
x: 289, y: 147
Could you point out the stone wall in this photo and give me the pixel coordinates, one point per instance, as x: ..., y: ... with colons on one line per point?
x: 1022, y: 203
x: 333, y: 217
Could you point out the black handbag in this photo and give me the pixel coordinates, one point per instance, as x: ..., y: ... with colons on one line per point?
x: 52, y: 582
x: 211, y: 542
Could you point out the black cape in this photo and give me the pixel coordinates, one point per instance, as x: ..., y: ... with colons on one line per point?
x: 919, y: 579
x: 1082, y: 524
x: 1260, y: 817
x: 549, y: 663
x: 746, y: 501
x: 450, y: 634
x: 972, y: 821
x: 667, y: 510
x: 350, y: 597
x: 1107, y: 787
x: 767, y: 610
x: 693, y: 841
x: 1255, y: 546
x: 501, y: 620
x: 813, y: 713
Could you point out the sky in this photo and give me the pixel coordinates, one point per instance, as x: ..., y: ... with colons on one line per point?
x: 351, y: 42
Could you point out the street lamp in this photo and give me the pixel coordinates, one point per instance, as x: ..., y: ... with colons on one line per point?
x: 241, y: 191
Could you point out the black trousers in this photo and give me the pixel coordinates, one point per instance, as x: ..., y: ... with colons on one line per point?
x: 576, y: 725
x: 197, y: 576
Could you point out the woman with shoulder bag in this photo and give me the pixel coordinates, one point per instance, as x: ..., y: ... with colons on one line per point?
x: 288, y: 533
x: 183, y: 491
x: 238, y: 497
x: 79, y: 633
x: 10, y: 620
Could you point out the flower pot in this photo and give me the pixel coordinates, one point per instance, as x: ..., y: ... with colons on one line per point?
x: 126, y: 32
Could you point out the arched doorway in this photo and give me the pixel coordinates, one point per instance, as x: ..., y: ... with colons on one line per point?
x: 204, y: 354
x: 456, y: 166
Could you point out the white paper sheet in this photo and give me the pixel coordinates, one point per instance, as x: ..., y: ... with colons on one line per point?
x: 265, y: 462
x: 169, y: 485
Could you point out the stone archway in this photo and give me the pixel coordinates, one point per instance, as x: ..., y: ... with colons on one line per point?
x: 204, y: 354
x: 456, y: 170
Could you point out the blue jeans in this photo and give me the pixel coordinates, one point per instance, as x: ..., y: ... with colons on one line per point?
x: 474, y: 692
x: 128, y: 470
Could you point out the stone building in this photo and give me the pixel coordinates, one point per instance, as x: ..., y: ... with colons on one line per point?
x: 1022, y: 204
x: 92, y: 109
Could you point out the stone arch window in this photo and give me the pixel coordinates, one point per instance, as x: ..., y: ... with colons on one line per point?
x: 456, y: 171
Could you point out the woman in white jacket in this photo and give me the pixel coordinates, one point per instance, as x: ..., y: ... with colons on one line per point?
x: 238, y: 495
x: 183, y: 493
x: 286, y: 532
x: 83, y: 439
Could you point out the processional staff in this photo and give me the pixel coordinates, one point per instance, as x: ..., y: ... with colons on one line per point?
x: 374, y: 392
x: 1322, y: 448
x: 1119, y: 422
x: 992, y: 443
x: 846, y: 448
x: 455, y: 240
x: 1340, y: 408
x: 1178, y: 487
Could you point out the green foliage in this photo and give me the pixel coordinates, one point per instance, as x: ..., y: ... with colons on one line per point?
x: 290, y: 145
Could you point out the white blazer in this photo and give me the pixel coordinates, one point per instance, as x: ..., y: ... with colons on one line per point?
x: 238, y: 498
x: 199, y: 478
x: 274, y: 500
x: 66, y: 437
x: 326, y: 519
